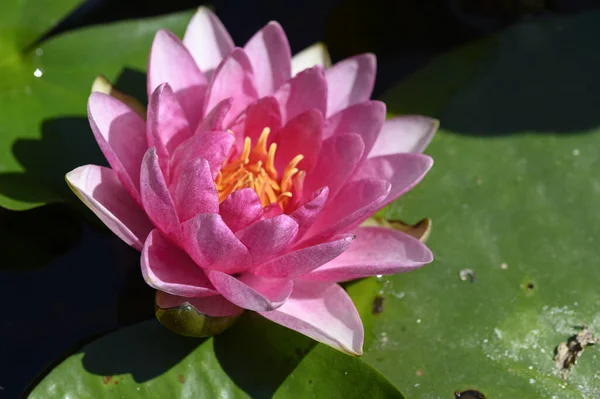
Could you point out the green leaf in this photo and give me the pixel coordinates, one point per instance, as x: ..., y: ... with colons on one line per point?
x: 514, y: 197
x: 256, y: 358
x: 326, y: 373
x: 44, y: 131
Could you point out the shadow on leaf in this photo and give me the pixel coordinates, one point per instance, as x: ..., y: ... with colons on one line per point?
x: 258, y: 355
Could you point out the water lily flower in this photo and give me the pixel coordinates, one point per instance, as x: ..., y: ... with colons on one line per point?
x: 246, y: 185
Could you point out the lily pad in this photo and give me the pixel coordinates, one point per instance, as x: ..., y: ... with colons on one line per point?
x: 44, y: 87
x: 255, y: 358
x: 514, y: 197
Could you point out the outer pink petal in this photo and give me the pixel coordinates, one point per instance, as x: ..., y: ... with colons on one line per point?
x: 376, y: 250
x: 323, y: 312
x: 233, y: 79
x: 302, y: 261
x: 167, y: 268
x: 194, y: 191
x: 301, y: 135
x: 364, y: 119
x: 305, y: 91
x: 337, y: 160
x: 214, y: 119
x: 404, y: 171
x: 170, y: 62
x: 241, y: 208
x: 156, y: 197
x: 167, y: 126
x: 121, y: 135
x: 357, y: 201
x: 252, y: 292
x: 350, y: 82
x: 306, y: 214
x: 267, y: 238
x: 207, y: 40
x: 212, y: 245
x: 215, y: 306
x: 99, y: 188
x: 212, y: 146
x: 410, y: 133
x: 270, y: 55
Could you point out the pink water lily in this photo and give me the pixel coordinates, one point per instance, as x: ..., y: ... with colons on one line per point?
x: 246, y: 185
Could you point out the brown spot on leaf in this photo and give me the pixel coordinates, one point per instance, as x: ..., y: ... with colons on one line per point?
x: 310, y: 381
x: 377, y: 307
x: 469, y: 394
x: 567, y: 353
x: 107, y: 379
x: 181, y: 378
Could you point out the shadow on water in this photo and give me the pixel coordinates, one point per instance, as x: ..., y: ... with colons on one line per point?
x: 537, y: 77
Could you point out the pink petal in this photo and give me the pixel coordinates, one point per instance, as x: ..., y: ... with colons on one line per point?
x: 212, y: 245
x: 212, y: 146
x: 270, y: 55
x: 302, y: 261
x: 357, y: 201
x: 411, y: 133
x: 156, y: 197
x: 207, y: 40
x: 303, y: 92
x: 240, y: 209
x: 315, y: 55
x: 99, y: 188
x: 376, y: 250
x: 272, y: 210
x: 365, y: 119
x: 337, y: 160
x: 214, y: 119
x: 260, y: 114
x: 195, y: 191
x: 233, y: 79
x: 167, y: 126
x: 252, y: 292
x: 350, y: 82
x: 306, y: 214
x: 121, y: 135
x: 323, y: 312
x: 267, y: 238
x: 403, y: 171
x: 215, y: 306
x: 301, y: 135
x: 170, y: 62
x: 168, y: 268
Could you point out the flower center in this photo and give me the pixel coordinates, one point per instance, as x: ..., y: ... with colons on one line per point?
x: 255, y: 169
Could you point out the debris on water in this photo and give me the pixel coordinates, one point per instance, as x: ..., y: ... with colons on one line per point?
x: 377, y: 307
x: 467, y: 274
x: 469, y: 394
x: 567, y: 353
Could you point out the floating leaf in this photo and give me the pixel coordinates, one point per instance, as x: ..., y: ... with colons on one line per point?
x: 514, y: 195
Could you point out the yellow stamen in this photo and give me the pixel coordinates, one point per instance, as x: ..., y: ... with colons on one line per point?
x: 255, y: 169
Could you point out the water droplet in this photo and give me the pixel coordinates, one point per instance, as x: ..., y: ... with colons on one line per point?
x: 39, y: 52
x: 504, y: 266
x: 576, y: 152
x: 38, y: 72
x: 418, y: 321
x: 530, y: 367
x: 531, y: 381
